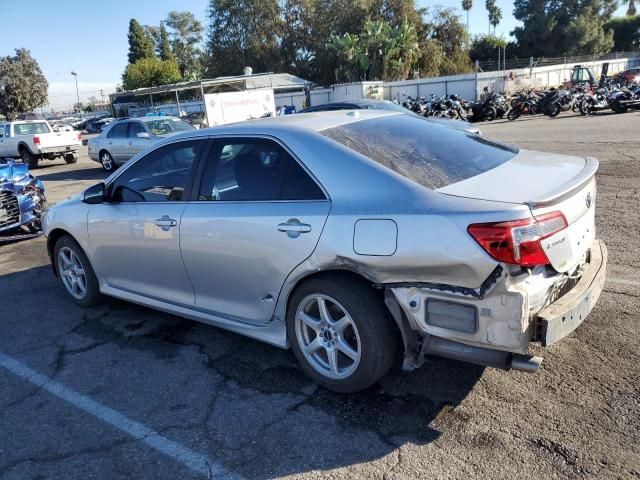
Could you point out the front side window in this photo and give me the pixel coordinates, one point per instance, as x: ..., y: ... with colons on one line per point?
x: 119, y: 130
x: 135, y: 128
x: 159, y: 176
x: 255, y: 170
x: 30, y: 128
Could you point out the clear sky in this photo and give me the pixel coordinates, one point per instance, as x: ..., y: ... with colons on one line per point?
x: 90, y: 37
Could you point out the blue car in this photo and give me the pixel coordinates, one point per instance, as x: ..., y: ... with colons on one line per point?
x: 22, y: 199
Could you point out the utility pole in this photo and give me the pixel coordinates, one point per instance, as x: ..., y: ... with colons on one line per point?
x: 75, y: 75
x: 101, y: 96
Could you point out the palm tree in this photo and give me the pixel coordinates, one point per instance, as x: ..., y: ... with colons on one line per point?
x: 466, y: 6
x: 631, y: 10
x: 494, y: 18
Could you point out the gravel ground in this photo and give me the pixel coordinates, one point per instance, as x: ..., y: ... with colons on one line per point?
x: 249, y: 410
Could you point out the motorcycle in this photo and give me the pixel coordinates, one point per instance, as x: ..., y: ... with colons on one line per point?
x: 22, y: 199
x: 596, y: 102
x: 561, y: 101
x: 492, y: 107
x: 524, y: 103
x: 623, y: 99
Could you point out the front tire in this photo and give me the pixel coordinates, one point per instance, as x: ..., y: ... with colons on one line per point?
x: 554, y: 110
x: 106, y: 160
x: 341, y: 332
x: 75, y: 272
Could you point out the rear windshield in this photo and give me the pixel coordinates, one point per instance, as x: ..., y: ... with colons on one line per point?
x: 167, y: 126
x: 30, y: 128
x: 430, y: 154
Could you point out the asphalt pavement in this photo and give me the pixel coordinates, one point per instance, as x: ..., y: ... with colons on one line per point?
x: 120, y: 391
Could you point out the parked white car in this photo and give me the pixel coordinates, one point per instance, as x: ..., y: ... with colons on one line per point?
x: 33, y: 140
x: 124, y: 138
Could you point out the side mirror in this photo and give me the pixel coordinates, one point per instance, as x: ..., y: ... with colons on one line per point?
x: 143, y: 135
x: 94, y: 195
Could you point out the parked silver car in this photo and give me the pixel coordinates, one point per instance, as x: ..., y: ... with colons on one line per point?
x: 121, y: 140
x: 339, y: 234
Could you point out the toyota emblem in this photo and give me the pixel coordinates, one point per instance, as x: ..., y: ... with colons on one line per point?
x: 588, y: 200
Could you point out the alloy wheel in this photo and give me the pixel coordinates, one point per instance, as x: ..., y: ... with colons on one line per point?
x: 328, y: 336
x: 72, y: 273
x: 106, y: 161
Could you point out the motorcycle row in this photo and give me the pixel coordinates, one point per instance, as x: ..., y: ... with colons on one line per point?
x: 551, y: 102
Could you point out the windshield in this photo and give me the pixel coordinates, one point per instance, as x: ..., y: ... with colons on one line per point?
x: 430, y: 154
x: 30, y: 128
x: 167, y: 126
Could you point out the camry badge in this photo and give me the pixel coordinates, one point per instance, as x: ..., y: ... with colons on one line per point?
x: 588, y: 200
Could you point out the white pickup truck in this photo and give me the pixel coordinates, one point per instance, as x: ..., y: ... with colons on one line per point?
x: 33, y: 140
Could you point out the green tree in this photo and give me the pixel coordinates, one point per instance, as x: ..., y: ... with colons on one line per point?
x: 631, y: 9
x: 165, y: 52
x: 243, y: 33
x: 140, y: 43
x: 563, y: 27
x: 23, y: 87
x: 495, y: 15
x: 185, y: 34
x: 626, y: 33
x: 485, y: 47
x: 444, y: 27
x: 150, y: 72
x: 466, y: 6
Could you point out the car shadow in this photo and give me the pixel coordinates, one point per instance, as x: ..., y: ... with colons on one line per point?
x: 295, y: 426
x: 80, y: 174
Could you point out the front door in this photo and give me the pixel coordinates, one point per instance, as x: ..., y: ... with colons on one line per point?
x: 259, y: 214
x: 136, y: 144
x: 135, y: 236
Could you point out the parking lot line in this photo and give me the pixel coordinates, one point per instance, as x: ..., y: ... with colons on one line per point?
x: 193, y: 460
x: 622, y: 281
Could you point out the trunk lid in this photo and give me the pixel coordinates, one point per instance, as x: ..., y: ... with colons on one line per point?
x: 546, y: 183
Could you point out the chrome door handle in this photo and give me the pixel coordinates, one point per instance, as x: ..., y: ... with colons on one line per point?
x: 165, y: 222
x: 293, y: 228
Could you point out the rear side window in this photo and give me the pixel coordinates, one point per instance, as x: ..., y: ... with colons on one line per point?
x: 427, y: 153
x: 135, y: 128
x: 255, y: 169
x: 30, y: 128
x: 119, y: 130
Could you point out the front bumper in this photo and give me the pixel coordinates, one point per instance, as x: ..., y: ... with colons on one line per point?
x: 564, y: 315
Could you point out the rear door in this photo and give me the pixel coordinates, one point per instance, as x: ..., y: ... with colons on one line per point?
x: 117, y: 142
x: 258, y: 214
x: 5, y: 148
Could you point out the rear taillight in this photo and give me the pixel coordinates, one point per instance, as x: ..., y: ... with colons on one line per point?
x: 36, y: 140
x: 518, y: 241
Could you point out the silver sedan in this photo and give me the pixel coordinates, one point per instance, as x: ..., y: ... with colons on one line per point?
x: 122, y: 139
x: 342, y: 235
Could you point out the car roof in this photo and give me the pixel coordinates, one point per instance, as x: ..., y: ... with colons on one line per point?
x: 301, y: 122
x: 156, y: 117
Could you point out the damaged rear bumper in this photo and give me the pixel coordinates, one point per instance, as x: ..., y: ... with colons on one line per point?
x: 497, y: 329
x: 564, y: 315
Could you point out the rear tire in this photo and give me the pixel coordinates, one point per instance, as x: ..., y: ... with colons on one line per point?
x: 75, y: 272
x: 554, y: 110
x: 513, y: 114
x: 489, y: 113
x: 29, y: 158
x: 71, y: 158
x: 354, y: 316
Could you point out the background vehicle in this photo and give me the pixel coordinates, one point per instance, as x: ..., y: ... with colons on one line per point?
x: 22, y: 199
x: 369, y: 104
x: 33, y: 140
x: 195, y: 119
x: 337, y: 234
x: 124, y: 138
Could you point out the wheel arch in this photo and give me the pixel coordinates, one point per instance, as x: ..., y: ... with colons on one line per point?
x: 400, y: 323
x: 53, y: 237
x: 24, y: 146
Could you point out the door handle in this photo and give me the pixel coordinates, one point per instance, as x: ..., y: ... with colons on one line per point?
x: 293, y: 228
x: 165, y: 222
